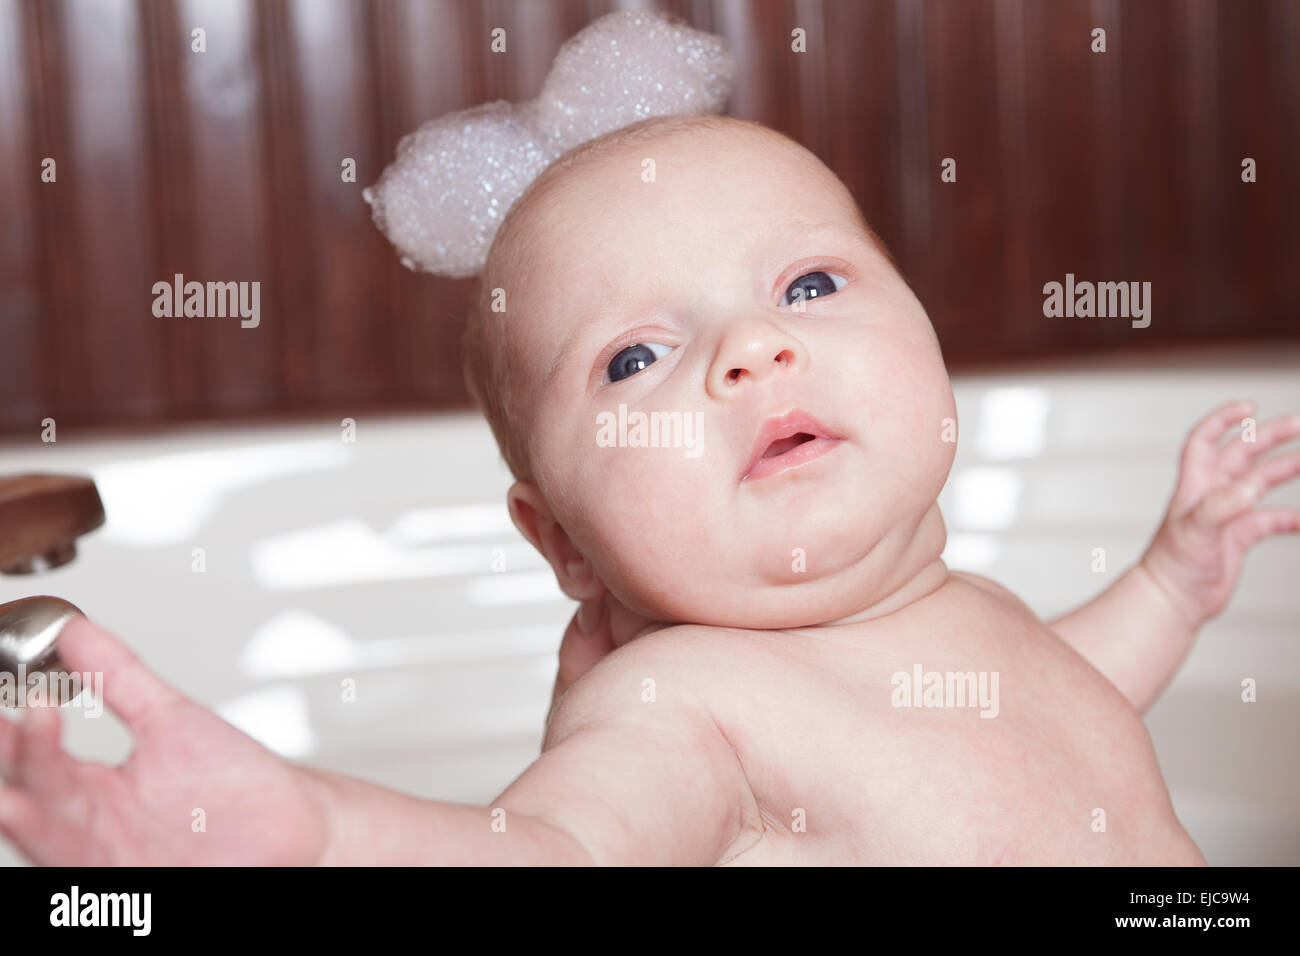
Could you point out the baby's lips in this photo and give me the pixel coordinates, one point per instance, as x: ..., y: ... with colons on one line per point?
x: 783, y: 426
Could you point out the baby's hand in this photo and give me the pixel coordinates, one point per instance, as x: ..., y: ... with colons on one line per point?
x: 257, y: 808
x: 1197, y: 554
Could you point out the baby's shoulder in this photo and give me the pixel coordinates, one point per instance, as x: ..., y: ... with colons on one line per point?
x: 672, y: 667
x: 992, y: 588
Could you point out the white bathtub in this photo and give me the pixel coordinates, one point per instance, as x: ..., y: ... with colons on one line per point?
x: 374, y: 561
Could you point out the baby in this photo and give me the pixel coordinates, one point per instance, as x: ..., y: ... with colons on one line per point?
x: 772, y: 595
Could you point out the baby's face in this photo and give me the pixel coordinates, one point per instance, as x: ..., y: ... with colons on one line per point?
x: 677, y: 297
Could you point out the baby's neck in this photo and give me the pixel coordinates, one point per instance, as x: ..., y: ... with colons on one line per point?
x: 919, y: 572
x: 926, y: 581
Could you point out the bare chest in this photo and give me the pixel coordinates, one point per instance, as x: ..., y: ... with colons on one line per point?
x: 966, y: 732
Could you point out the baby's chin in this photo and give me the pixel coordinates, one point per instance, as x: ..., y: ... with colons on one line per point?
x: 759, y: 603
x: 782, y: 579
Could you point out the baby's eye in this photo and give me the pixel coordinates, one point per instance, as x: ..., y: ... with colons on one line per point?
x: 811, y: 285
x: 633, y: 359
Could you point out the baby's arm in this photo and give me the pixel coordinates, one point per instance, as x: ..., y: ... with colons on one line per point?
x: 1133, y: 634
x: 619, y: 781
x: 1138, y: 631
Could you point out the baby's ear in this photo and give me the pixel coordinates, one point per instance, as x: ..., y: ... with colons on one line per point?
x: 532, y: 516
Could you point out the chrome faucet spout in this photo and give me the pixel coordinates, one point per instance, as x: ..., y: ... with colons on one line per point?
x: 29, y: 634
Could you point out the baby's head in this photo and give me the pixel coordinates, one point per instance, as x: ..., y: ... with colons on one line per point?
x: 715, y: 272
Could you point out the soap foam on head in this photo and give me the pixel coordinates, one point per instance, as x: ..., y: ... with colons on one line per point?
x: 441, y: 201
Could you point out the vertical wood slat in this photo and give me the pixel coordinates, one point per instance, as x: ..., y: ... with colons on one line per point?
x: 23, y: 389
x: 419, y: 75
x: 290, y: 299
x: 735, y: 21
x: 1283, y: 26
x: 534, y: 33
x: 1113, y: 245
x: 1060, y: 177
x: 108, y: 158
x: 1105, y: 239
x: 767, y: 71
x: 810, y: 77
x: 913, y: 140
x: 238, y: 367
x: 1155, y: 177
x: 862, y: 96
x: 961, y: 264
x: 65, y: 362
x: 350, y: 313
x: 1205, y: 167
x: 1255, y: 120
x: 1019, y: 288
x: 171, y: 174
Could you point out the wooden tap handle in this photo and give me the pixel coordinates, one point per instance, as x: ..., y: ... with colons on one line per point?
x: 45, y: 514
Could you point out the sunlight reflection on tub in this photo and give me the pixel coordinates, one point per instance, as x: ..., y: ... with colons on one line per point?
x: 164, y: 499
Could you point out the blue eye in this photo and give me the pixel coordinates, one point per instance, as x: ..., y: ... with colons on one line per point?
x: 812, y: 285
x: 633, y: 359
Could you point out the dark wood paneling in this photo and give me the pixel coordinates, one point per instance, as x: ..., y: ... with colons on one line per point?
x: 1155, y: 137
x: 62, y: 362
x: 292, y: 293
x: 1257, y: 115
x: 960, y: 260
x: 220, y: 134
x: 1058, y: 168
x: 170, y: 154
x: 863, y: 100
x: 106, y: 156
x: 225, y: 166
x: 345, y: 311
x: 414, y: 87
x: 23, y: 389
x: 1283, y: 54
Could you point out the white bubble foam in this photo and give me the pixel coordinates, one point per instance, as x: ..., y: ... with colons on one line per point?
x: 441, y: 201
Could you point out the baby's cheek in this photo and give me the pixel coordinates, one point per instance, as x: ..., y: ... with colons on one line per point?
x: 919, y: 384
x: 907, y: 423
x: 655, y: 512
x: 632, y: 493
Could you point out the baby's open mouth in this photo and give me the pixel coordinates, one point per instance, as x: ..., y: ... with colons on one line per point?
x: 787, y: 442
x: 783, y: 445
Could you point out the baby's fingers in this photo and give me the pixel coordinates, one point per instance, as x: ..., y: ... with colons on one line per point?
x: 1202, y: 465
x: 1275, y: 471
x: 1239, y: 455
x: 1206, y: 520
x: 1203, y: 442
x: 1260, y: 524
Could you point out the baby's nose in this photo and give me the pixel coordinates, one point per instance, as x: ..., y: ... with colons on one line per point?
x: 751, y: 352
